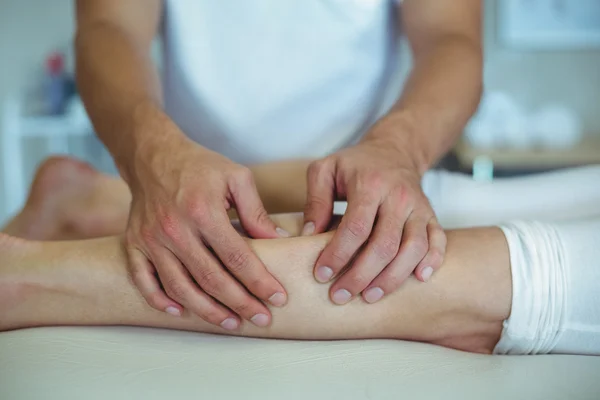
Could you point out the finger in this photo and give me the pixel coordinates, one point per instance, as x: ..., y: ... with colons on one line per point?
x: 219, y: 284
x: 320, y: 179
x: 381, y: 249
x: 435, y: 255
x: 143, y: 276
x: 239, y: 259
x: 251, y: 211
x: 353, y: 231
x: 179, y: 286
x: 413, y: 248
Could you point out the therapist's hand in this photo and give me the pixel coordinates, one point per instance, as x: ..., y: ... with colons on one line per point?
x: 389, y: 229
x: 180, y: 196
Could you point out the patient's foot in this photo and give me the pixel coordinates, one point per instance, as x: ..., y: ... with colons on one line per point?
x: 71, y: 200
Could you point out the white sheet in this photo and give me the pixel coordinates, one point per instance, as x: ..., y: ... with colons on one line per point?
x: 126, y: 363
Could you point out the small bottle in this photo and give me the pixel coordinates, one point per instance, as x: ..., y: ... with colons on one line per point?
x: 56, y: 84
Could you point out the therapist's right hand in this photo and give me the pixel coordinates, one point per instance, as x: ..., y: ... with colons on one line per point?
x: 181, y: 193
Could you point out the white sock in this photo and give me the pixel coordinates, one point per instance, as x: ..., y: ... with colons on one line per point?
x: 460, y: 201
x: 555, y: 272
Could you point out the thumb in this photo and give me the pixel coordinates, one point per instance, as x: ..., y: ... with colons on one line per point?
x: 320, y: 196
x: 251, y: 211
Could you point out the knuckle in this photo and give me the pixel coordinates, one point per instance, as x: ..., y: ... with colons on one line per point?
x: 147, y: 234
x: 197, y: 210
x: 340, y: 258
x: 386, y: 248
x: 153, y: 300
x: 244, y: 175
x: 358, y: 228
x: 367, y: 198
x: 418, y: 245
x: 315, y: 201
x: 436, y: 257
x: 210, y: 282
x: 241, y: 308
x: 130, y: 239
x: 137, y: 275
x: 169, y: 225
x: 261, y: 216
x: 237, y: 261
x: 357, y: 281
x: 391, y: 283
x: 175, y: 290
x: 442, y: 240
x: 373, y: 180
x: 400, y: 197
x: 260, y: 286
x: 212, y: 315
x: 316, y: 167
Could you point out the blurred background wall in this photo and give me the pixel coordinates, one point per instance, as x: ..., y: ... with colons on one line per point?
x: 30, y: 29
x: 534, y: 78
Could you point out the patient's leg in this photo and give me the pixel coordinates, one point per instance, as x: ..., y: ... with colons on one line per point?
x: 86, y: 283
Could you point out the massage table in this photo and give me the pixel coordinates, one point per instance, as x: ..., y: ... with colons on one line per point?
x: 89, y: 363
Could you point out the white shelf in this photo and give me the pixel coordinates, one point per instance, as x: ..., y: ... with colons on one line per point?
x: 55, y: 130
x: 54, y: 126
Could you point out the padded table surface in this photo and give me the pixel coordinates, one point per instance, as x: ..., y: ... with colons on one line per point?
x: 136, y: 363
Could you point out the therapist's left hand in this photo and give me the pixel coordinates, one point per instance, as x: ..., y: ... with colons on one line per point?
x: 389, y: 229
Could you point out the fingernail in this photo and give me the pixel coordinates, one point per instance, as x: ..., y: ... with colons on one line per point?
x: 278, y: 299
x: 230, y: 324
x: 341, y: 296
x: 260, y: 320
x: 374, y: 294
x: 324, y: 274
x: 309, y: 229
x: 282, y: 232
x: 426, y: 273
x: 173, y: 311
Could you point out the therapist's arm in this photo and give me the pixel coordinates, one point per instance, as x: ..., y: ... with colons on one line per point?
x: 181, y: 191
x: 390, y: 230
x: 116, y: 76
x: 445, y: 83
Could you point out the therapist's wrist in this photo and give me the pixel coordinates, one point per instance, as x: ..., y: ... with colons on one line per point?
x: 152, y: 132
x: 398, y: 131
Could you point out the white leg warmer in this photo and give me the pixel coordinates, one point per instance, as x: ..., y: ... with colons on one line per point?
x: 460, y: 202
x: 556, y: 288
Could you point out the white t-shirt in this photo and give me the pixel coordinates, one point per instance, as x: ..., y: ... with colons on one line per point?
x: 262, y: 80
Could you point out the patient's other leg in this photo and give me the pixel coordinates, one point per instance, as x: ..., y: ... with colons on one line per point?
x: 67, y: 203
x: 460, y: 201
x: 86, y: 283
x: 70, y: 200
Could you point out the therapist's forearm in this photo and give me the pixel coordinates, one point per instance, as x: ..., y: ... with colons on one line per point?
x: 441, y: 94
x: 121, y: 91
